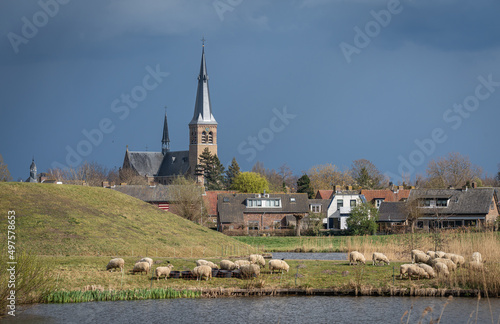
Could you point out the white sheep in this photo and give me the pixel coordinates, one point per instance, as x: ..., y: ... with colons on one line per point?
x: 441, y: 268
x: 355, y: 257
x: 421, y: 258
x: 148, y: 260
x: 379, y: 258
x: 475, y: 265
x: 202, y: 271
x: 440, y: 254
x: 403, y: 269
x: 415, y: 270
x: 141, y: 267
x: 208, y: 263
x: 457, y: 259
x: 239, y: 263
x: 430, y: 271
x: 432, y: 254
x: 257, y: 259
x: 228, y: 265
x: 413, y: 252
x: 450, y: 264
x: 163, y: 271
x: 250, y: 270
x: 276, y: 264
x: 476, y: 256
x: 116, y: 263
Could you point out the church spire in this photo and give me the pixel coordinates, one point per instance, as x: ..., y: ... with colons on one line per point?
x: 202, y: 108
x: 165, y: 141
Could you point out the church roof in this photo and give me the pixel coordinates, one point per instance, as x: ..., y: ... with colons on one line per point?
x: 174, y: 163
x: 202, y: 107
x: 145, y: 163
x: 165, y: 139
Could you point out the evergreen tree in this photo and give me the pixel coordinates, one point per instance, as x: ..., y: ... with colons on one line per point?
x: 304, y: 186
x: 212, y: 170
x: 232, y: 172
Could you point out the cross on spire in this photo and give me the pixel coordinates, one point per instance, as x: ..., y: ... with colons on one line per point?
x: 203, y: 41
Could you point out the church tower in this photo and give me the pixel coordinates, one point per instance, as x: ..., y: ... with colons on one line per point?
x: 203, y: 127
x: 165, y: 141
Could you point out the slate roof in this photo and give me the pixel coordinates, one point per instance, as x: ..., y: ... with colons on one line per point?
x: 392, y: 211
x: 145, y: 163
x: 470, y: 201
x: 232, y: 210
x: 174, y: 163
x: 324, y: 204
x: 210, y: 200
x: 158, y: 193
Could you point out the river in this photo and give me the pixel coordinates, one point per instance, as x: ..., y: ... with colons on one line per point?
x: 296, y: 310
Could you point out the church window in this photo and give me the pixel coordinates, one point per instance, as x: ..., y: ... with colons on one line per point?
x: 204, y: 137
x: 210, y: 137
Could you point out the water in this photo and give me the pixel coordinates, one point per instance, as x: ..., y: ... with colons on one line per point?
x: 309, y: 256
x: 296, y: 310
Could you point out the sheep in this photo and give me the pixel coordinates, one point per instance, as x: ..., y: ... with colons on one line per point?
x: 202, y: 271
x: 148, y: 260
x: 116, y: 263
x: 160, y: 271
x: 239, y: 263
x: 432, y: 254
x: 421, y: 258
x: 415, y: 270
x: 441, y: 268
x: 228, y: 265
x: 141, y: 267
x: 457, y: 259
x: 403, y: 269
x: 413, y: 252
x: 355, y: 256
x: 379, y: 257
x: 450, y: 264
x: 250, y: 270
x: 208, y: 263
x: 476, y: 265
x: 476, y: 256
x: 430, y: 271
x: 276, y: 264
x: 257, y: 259
x: 440, y: 254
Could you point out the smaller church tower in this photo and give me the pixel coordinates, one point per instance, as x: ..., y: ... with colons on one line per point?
x: 203, y: 126
x: 33, y: 172
x: 165, y: 141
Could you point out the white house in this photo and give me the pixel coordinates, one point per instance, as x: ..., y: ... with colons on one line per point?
x: 340, y: 208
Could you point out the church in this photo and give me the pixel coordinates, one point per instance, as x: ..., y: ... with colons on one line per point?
x: 162, y: 167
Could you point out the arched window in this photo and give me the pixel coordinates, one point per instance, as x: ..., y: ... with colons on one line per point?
x: 210, y: 137
x: 204, y: 137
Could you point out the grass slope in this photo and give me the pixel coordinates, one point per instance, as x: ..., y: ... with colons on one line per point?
x: 77, y: 220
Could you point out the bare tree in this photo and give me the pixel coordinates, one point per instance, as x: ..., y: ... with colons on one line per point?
x: 187, y: 199
x: 455, y: 170
x: 131, y: 177
x: 326, y: 176
x: 4, y: 171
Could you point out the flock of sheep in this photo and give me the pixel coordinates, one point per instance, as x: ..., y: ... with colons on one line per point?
x: 249, y: 267
x: 424, y: 265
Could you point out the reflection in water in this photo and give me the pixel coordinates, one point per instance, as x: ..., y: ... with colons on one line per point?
x: 314, y: 309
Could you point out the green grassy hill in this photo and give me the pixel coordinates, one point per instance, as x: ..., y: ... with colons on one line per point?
x: 76, y: 220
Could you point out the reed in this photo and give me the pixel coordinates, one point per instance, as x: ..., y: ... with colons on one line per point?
x: 80, y: 296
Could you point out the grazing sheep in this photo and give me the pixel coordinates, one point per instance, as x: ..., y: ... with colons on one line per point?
x: 250, y: 271
x: 457, y: 259
x: 148, y: 260
x: 228, y: 265
x: 257, y: 259
x: 475, y: 265
x: 141, y: 267
x: 355, y: 256
x: 208, y: 263
x: 440, y: 254
x: 239, y: 263
x: 421, y: 258
x: 163, y: 271
x: 116, y: 263
x: 441, y: 268
x: 403, y: 269
x: 476, y: 256
x: 415, y: 270
x: 202, y: 271
x: 379, y: 258
x: 430, y: 271
x: 413, y: 252
x: 276, y: 264
x: 450, y: 264
x: 432, y: 254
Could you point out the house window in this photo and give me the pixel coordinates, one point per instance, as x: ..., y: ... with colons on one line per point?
x: 225, y: 199
x: 292, y: 199
x: 253, y: 225
x: 378, y: 202
x: 315, y: 208
x: 264, y: 203
x: 441, y: 202
x: 340, y: 203
x: 276, y: 224
x: 353, y: 203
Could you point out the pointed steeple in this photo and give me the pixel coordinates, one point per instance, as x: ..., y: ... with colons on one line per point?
x: 165, y: 141
x: 202, y: 108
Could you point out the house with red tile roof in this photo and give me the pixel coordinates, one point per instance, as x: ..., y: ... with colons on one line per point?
x: 378, y: 196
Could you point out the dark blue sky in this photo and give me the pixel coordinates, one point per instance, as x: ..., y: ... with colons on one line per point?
x: 304, y: 82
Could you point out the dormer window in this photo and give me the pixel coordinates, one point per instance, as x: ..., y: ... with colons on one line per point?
x: 441, y: 202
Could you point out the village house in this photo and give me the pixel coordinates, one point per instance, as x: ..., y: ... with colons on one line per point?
x: 339, y: 209
x: 376, y: 197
